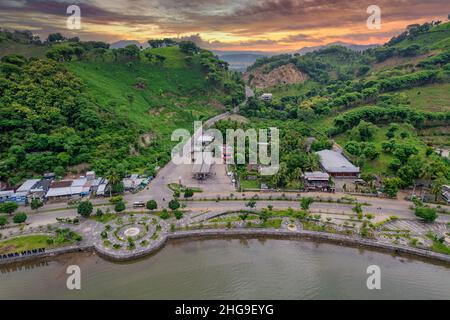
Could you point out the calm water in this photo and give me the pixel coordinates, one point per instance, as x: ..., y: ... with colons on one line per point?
x: 232, y: 269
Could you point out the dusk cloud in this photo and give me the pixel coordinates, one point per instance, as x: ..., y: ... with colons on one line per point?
x: 224, y: 24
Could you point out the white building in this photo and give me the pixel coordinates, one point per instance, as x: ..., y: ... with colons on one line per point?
x: 335, y: 164
x: 266, y: 96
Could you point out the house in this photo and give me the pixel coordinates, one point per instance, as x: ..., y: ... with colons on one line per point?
x: 39, y: 190
x: 132, y: 183
x: 317, y: 180
x: 336, y: 165
x: 84, y: 184
x: 63, y: 190
x: 266, y: 96
x: 446, y: 193
x: 205, y: 140
x: 49, y: 176
x: 19, y: 197
x: 27, y: 185
x: 90, y: 175
x: 5, y: 195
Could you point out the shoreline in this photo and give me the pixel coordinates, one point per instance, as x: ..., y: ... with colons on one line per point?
x: 337, y: 239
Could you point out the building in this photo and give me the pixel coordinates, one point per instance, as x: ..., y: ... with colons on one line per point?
x: 317, y: 180
x: 201, y: 171
x: 205, y: 140
x: 266, y: 96
x: 5, y: 195
x: 39, y: 190
x: 132, y: 183
x: 446, y: 193
x: 63, y: 190
x: 27, y: 185
x: 336, y: 165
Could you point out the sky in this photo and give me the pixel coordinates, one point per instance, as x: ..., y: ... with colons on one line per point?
x: 233, y: 25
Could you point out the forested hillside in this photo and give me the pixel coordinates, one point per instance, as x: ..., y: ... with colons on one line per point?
x: 388, y: 107
x: 68, y: 105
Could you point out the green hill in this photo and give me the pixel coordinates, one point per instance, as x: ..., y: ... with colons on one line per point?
x: 388, y: 107
x: 77, y: 105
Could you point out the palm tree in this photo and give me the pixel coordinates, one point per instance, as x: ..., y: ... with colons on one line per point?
x: 436, y: 186
x: 113, y: 179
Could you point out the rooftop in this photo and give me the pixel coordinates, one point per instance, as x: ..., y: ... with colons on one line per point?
x: 27, y: 185
x: 316, y: 175
x: 333, y: 161
x: 61, y: 184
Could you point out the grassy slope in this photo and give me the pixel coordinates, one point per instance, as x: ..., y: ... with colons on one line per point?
x: 8, y: 47
x: 173, y: 95
x: 380, y: 165
x: 434, y: 98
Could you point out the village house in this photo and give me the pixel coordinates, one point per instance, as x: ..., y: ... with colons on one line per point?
x: 64, y: 190
x: 337, y: 165
x: 446, y: 193
x: 266, y: 97
x: 317, y: 181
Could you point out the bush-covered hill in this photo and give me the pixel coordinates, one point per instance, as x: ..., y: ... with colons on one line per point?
x: 82, y: 105
x: 388, y: 107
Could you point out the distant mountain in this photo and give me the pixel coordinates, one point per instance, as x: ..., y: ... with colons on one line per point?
x: 240, y: 60
x: 124, y: 43
x: 354, y: 47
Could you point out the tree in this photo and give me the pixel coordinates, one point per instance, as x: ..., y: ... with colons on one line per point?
x: 391, y: 186
x: 164, y: 214
x: 188, y: 47
x: 306, y: 202
x: 113, y: 179
x: 151, y: 205
x: 251, y: 204
x: 243, y: 216
x: 174, y: 205
x: 8, y: 207
x: 188, y: 193
x: 436, y: 186
x: 120, y: 206
x: 36, y: 204
x: 178, y: 215
x: 53, y: 37
x: 3, y: 221
x: 20, y: 217
x: 85, y: 208
x: 427, y: 214
x: 99, y: 213
x: 358, y: 210
x: 264, y: 215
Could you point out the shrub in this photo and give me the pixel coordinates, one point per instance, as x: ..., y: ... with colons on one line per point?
x: 188, y: 193
x: 120, y: 206
x: 116, y: 199
x: 99, y: 213
x: 164, y: 214
x: 427, y: 214
x: 178, y: 215
x: 3, y: 221
x: 174, y: 204
x: 20, y: 217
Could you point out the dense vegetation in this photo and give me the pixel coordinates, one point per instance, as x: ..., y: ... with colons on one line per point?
x: 79, y: 105
x: 371, y: 103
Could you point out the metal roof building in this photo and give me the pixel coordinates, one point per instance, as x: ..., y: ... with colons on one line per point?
x: 27, y: 185
x: 336, y: 164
